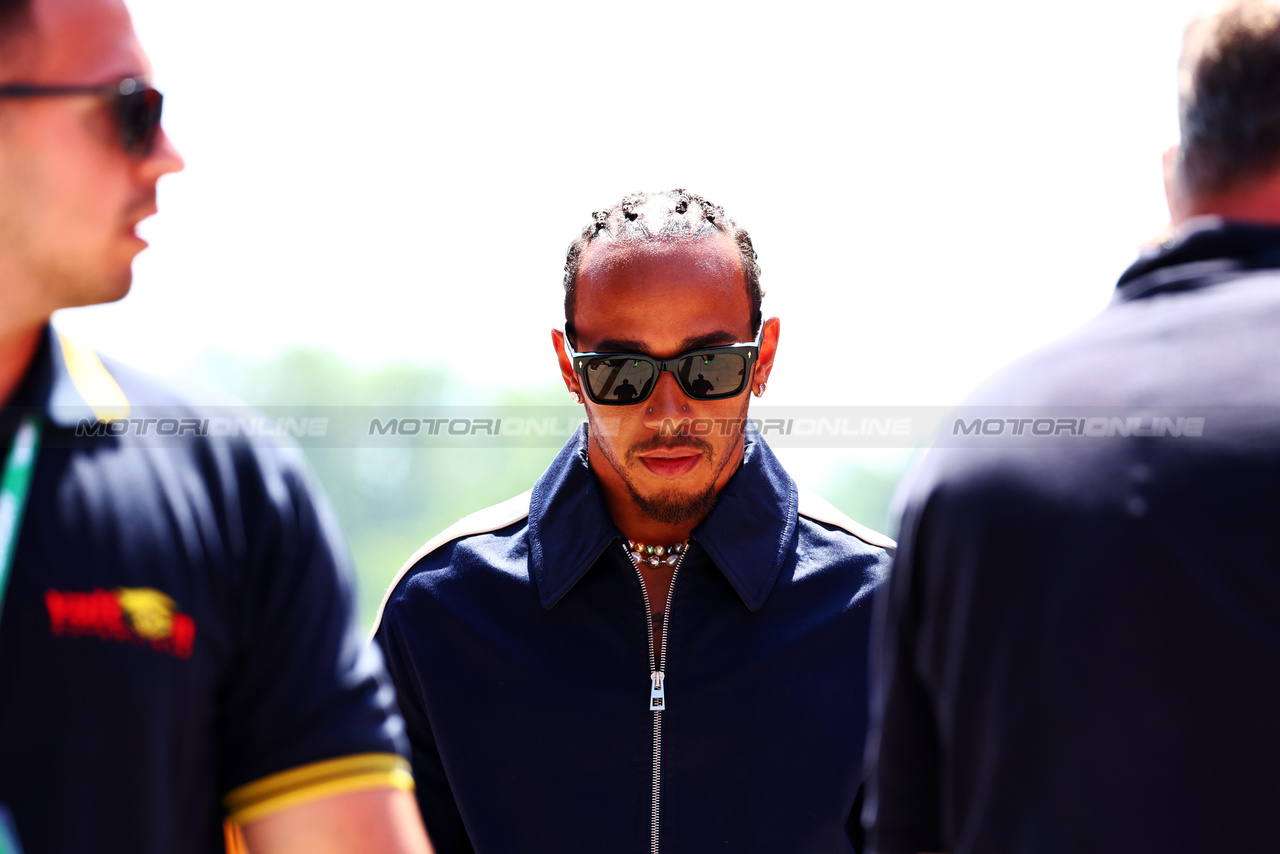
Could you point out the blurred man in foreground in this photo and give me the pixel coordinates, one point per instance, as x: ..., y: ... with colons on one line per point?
x: 176, y: 623
x: 662, y: 645
x: 1081, y: 638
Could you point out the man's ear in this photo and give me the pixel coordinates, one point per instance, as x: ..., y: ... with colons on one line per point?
x: 768, y: 349
x: 1172, y: 191
x: 566, y: 367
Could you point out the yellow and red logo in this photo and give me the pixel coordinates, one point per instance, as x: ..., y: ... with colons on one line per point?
x: 130, y: 614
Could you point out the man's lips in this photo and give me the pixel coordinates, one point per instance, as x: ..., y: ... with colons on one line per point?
x: 670, y: 457
x: 671, y: 463
x: 134, y: 218
x: 138, y: 214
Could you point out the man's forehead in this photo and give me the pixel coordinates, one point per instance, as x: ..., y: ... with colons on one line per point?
x: 662, y: 293
x: 83, y: 41
x: 714, y: 255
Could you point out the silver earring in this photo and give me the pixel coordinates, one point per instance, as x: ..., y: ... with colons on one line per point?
x: 577, y: 398
x: 760, y: 390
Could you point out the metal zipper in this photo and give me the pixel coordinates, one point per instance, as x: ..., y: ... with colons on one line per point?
x: 657, y: 683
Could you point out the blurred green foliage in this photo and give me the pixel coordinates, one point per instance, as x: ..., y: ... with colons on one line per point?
x: 865, y: 493
x: 391, y: 500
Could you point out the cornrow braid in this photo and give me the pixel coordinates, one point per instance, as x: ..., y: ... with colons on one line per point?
x: 687, y: 214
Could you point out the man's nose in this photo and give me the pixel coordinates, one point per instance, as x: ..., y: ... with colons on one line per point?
x: 668, y: 404
x: 162, y: 159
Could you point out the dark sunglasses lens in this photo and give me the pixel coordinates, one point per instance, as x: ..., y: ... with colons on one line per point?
x: 620, y: 380
x: 139, y: 118
x: 712, y: 375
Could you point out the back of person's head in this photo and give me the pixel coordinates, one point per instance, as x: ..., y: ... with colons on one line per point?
x: 1229, y: 99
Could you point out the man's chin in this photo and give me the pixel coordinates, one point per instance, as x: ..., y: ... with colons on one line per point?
x: 674, y: 506
x: 114, y: 286
x: 106, y: 292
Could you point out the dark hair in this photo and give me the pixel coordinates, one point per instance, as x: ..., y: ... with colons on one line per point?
x: 1229, y: 98
x: 640, y: 217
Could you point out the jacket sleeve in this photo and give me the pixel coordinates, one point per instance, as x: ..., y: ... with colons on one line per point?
x: 439, y: 808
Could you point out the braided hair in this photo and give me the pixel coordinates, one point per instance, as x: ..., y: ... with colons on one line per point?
x: 636, y: 218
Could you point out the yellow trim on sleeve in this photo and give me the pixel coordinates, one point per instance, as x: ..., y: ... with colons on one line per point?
x: 317, y: 780
x: 90, y: 377
x: 234, y: 838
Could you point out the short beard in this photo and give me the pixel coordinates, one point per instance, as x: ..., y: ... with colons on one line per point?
x: 671, y: 508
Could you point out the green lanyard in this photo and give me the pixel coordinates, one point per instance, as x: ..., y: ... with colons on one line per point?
x: 8, y: 834
x: 15, y: 486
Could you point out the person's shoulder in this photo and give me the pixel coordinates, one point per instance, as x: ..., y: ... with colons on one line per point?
x: 151, y: 431
x: 1063, y: 370
x: 146, y: 390
x: 815, y: 508
x: 85, y: 385
x: 828, y: 536
x: 1192, y: 345
x: 831, y: 545
x: 492, y: 538
x: 167, y: 412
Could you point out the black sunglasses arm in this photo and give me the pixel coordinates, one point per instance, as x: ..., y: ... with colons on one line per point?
x: 127, y: 86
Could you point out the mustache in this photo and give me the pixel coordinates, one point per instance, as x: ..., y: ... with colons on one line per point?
x: 667, y: 442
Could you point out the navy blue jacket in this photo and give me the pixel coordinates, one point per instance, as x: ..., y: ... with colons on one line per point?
x: 519, y: 643
x: 1081, y: 644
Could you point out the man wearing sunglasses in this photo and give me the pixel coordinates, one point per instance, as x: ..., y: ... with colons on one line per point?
x: 662, y: 646
x: 177, y: 638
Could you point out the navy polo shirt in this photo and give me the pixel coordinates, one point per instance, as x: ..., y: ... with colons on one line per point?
x: 178, y: 641
x: 1079, y: 648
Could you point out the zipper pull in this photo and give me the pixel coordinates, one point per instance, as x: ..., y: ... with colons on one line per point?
x: 657, y: 697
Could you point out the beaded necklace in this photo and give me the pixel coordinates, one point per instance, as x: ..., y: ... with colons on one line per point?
x: 656, y: 555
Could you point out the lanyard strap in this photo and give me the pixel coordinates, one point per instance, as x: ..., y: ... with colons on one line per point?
x: 15, y: 486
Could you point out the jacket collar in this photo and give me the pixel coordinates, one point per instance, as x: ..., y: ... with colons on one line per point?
x: 749, y: 534
x: 1204, y: 251
x: 68, y: 384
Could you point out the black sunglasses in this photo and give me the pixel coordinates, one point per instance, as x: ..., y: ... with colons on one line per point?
x: 135, y: 104
x: 709, y: 373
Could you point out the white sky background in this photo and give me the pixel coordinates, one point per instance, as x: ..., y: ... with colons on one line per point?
x: 933, y: 188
